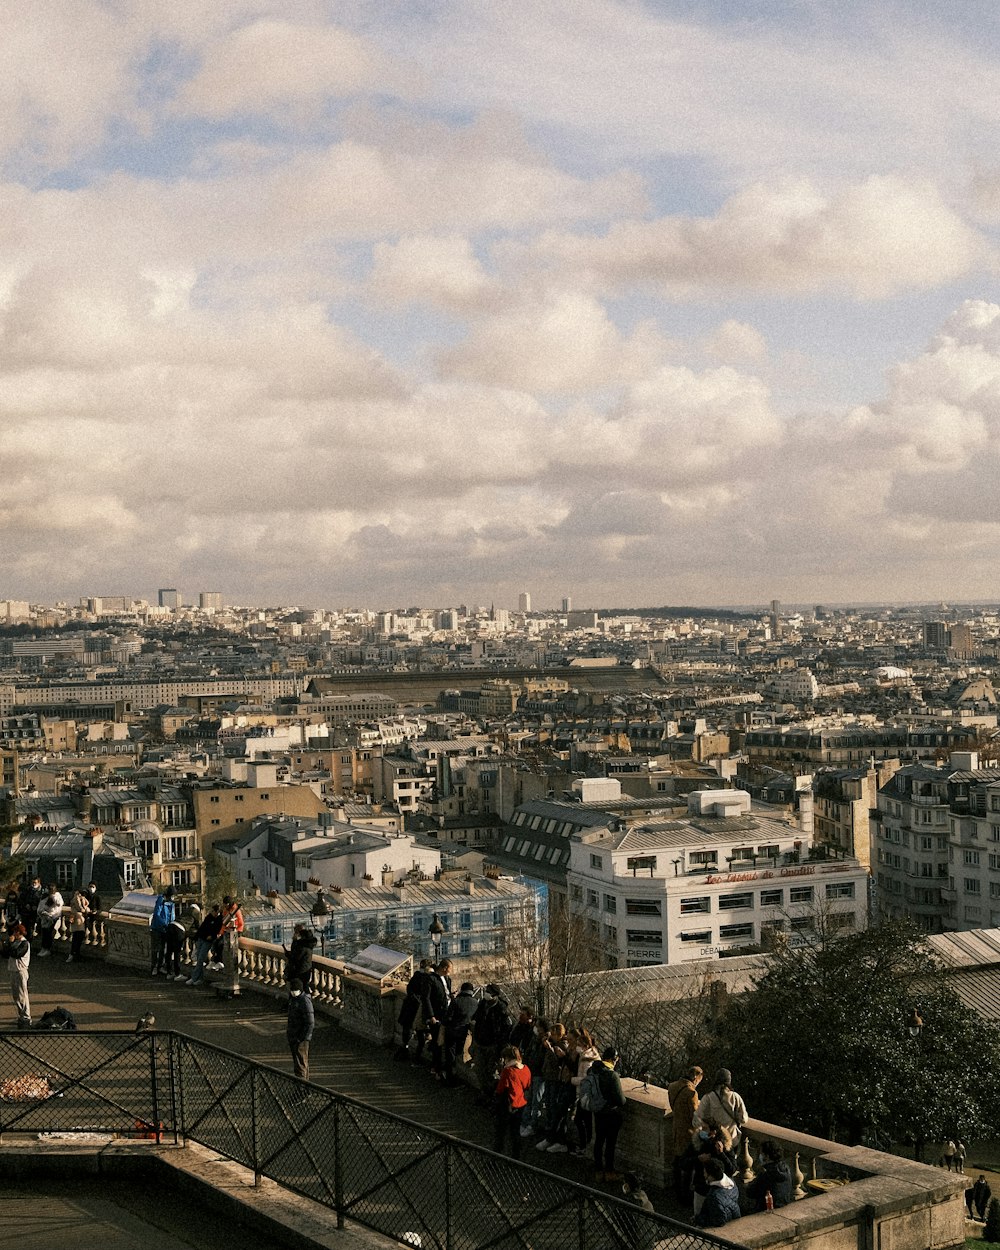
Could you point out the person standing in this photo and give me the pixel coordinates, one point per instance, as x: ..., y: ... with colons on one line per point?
x: 511, y: 1099
x: 30, y: 897
x: 78, y: 909
x: 491, y: 1028
x: 682, y: 1095
x: 50, y: 909
x: 232, y: 927
x: 94, y: 899
x: 163, y: 913
x: 301, y: 1021
x: 414, y: 1012
x: 174, y: 948
x: 439, y: 998
x: 722, y: 1105
x: 456, y: 1028
x: 299, y: 957
x: 205, y: 937
x: 17, y: 950
x: 981, y: 1195
x: 608, y: 1120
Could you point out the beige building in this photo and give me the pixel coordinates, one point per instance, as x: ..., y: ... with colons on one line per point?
x: 222, y: 811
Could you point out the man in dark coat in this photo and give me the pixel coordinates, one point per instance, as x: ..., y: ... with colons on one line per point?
x: 439, y: 997
x: 301, y: 1020
x: 299, y: 957
x: 456, y: 1028
x: 491, y: 1028
x: 414, y: 1012
x: 981, y: 1195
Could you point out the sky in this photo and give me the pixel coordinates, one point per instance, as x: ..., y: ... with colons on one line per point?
x: 427, y: 303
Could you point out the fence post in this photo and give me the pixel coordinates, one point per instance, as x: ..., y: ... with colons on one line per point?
x: 154, y: 1087
x: 447, y: 1197
x: 338, y: 1171
x: 172, y: 1074
x: 581, y: 1221
x: 254, y: 1127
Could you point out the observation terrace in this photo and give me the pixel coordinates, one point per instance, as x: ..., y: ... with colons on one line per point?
x: 427, y: 1165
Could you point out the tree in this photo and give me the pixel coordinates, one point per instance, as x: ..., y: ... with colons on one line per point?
x: 219, y: 879
x: 991, y: 1233
x: 828, y: 1043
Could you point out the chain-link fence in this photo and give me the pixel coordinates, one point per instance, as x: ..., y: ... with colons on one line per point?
x: 381, y: 1170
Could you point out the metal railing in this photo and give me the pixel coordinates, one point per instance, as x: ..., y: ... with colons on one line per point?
x: 380, y: 1170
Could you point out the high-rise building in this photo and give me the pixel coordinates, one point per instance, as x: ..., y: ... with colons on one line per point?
x: 169, y: 598
x: 567, y: 605
x: 524, y: 601
x: 210, y: 600
x: 935, y: 635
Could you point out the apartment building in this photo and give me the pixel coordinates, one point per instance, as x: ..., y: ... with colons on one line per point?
x: 721, y: 879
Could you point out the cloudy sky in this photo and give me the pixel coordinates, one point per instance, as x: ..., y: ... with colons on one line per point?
x: 434, y: 302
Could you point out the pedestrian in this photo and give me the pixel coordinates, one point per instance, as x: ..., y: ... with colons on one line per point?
x: 163, y: 913
x: 299, y: 957
x: 301, y: 1021
x: 28, y: 899
x: 174, y: 949
x: 970, y: 1197
x: 554, y: 1047
x: 461, y: 1010
x: 439, y: 998
x: 608, y: 1119
x: 12, y: 906
x: 682, y: 1095
x: 722, y: 1202
x: 585, y: 1055
x: 722, y: 1105
x: 634, y: 1192
x: 534, y: 1056
x: 948, y: 1155
x: 16, y: 948
x: 232, y: 927
x: 93, y: 915
x: 511, y: 1091
x: 982, y: 1193
x: 414, y: 1012
x: 959, y: 1155
x: 774, y: 1177
x: 205, y: 937
x: 79, y: 906
x: 50, y: 909
x: 491, y: 1028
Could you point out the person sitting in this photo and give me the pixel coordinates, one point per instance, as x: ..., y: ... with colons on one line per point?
x: 722, y: 1202
x: 713, y: 1142
x: 774, y: 1177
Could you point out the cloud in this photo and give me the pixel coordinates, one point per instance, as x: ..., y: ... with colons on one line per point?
x: 871, y: 240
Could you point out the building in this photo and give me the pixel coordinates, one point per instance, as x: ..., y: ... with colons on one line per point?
x: 210, y: 601
x: 843, y: 799
x: 567, y: 605
x: 170, y: 598
x: 936, y: 844
x: 721, y: 879
x: 524, y: 601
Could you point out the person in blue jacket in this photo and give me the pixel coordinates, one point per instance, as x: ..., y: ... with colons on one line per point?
x: 722, y: 1203
x: 163, y: 915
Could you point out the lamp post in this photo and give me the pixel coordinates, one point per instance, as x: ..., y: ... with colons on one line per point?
x: 317, y: 918
x: 436, y: 930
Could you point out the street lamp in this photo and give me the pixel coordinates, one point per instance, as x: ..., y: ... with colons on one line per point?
x: 436, y: 930
x: 317, y: 918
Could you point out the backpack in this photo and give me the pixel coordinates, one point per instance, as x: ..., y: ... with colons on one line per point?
x: 591, y: 1096
x: 58, y: 1020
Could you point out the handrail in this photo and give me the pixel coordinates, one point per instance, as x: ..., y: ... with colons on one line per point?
x: 372, y: 1166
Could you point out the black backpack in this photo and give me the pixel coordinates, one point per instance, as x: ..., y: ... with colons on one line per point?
x: 59, y: 1020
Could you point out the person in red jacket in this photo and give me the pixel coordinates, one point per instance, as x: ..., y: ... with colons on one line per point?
x: 512, y: 1086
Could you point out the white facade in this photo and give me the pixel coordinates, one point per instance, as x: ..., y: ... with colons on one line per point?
x: 693, y: 889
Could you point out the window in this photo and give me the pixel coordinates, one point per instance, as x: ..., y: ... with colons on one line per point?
x: 772, y: 898
x: 576, y: 893
x: 265, y: 796
x: 970, y: 857
x: 643, y: 937
x: 736, y: 902
x: 927, y: 870
x: 610, y: 933
x: 180, y: 876
x: 704, y: 859
x: 177, y: 848
x: 643, y: 907
x: 238, y: 798
x: 465, y: 918
x: 800, y: 894
x: 597, y: 861
x: 994, y: 862
x: 690, y: 905
x: 743, y: 852
x: 592, y: 899
x: 65, y: 872
x: 768, y: 852
x: 640, y: 863
x: 840, y: 920
x: 802, y: 924
x: 130, y: 873
x: 840, y: 889
x: 610, y: 903
x: 971, y: 885
x: 216, y: 821
x: 926, y: 843
x: 214, y: 798
x: 702, y: 936
x: 464, y: 946
x: 728, y: 932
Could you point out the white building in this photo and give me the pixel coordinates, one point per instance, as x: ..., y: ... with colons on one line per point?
x: 721, y: 879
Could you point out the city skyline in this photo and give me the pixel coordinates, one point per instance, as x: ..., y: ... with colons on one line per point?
x: 634, y: 303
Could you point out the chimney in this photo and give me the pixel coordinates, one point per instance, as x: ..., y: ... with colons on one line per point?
x: 806, y: 813
x: 470, y: 885
x: 388, y: 876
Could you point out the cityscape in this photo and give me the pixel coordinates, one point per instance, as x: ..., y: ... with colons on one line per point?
x: 497, y: 585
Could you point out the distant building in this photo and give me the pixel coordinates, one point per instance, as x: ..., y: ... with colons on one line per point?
x: 567, y: 605
x: 524, y: 602
x: 169, y: 598
x: 210, y: 601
